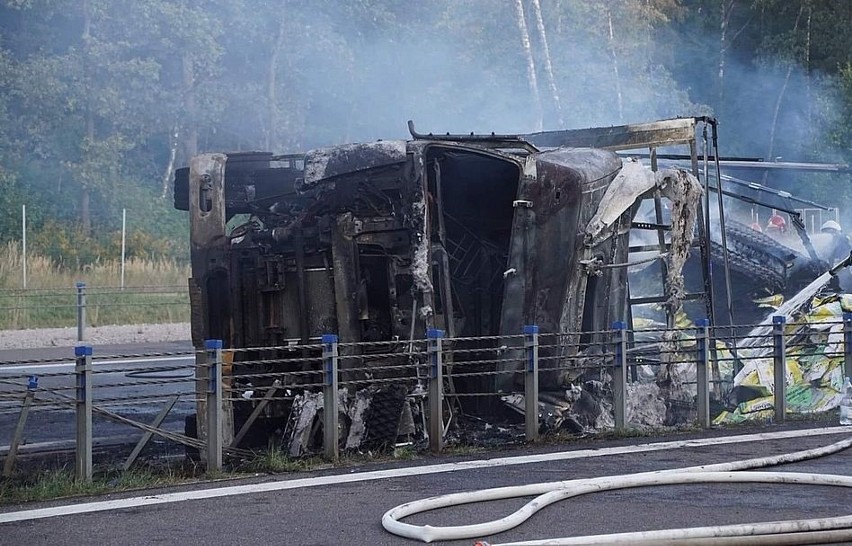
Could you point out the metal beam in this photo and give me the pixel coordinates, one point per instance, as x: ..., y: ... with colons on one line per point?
x: 143, y: 441
x: 621, y: 137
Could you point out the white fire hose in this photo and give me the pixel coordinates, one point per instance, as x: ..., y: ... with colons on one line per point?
x: 811, y: 531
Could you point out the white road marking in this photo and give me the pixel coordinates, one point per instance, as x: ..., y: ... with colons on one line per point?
x: 100, y: 506
x: 95, y: 362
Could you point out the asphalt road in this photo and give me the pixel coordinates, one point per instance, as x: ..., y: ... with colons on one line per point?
x: 350, y: 513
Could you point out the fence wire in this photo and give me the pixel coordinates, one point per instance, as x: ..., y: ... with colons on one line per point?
x: 578, y: 387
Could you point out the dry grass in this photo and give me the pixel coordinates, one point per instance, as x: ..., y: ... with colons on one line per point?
x: 42, y: 272
x: 154, y: 292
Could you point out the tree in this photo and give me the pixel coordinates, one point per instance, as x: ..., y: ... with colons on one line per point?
x: 532, y: 78
x: 548, y: 65
x: 100, y: 100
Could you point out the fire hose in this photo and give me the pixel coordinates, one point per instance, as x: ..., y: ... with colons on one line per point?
x: 810, y: 531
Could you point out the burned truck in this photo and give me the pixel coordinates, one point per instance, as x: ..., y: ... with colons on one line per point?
x: 476, y: 235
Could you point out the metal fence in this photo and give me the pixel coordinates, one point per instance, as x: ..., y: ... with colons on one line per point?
x: 52, y: 404
x: 629, y: 377
x: 83, y: 305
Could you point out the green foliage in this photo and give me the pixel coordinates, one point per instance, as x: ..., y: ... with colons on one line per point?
x: 71, y: 249
x: 405, y: 453
x: 841, y: 122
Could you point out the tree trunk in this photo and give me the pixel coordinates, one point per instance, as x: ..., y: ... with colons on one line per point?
x: 271, y: 137
x: 727, y: 11
x: 726, y: 41
x: 548, y: 67
x: 170, y: 167
x: 808, y: 99
x: 190, y: 132
x: 618, y: 93
x: 783, y: 91
x: 85, y: 190
x: 531, y: 72
x: 85, y: 213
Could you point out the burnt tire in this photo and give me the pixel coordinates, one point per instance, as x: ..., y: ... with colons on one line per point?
x: 383, y: 419
x: 755, y: 254
x: 764, y: 259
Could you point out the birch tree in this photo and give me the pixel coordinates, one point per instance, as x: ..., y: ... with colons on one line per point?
x: 532, y: 78
x: 548, y: 66
x: 727, y: 38
x: 790, y: 65
x: 615, y: 72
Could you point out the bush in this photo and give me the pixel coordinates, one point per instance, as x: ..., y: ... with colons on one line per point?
x: 71, y: 250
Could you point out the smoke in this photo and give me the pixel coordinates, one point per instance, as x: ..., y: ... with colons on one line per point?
x: 457, y: 67
x: 291, y: 76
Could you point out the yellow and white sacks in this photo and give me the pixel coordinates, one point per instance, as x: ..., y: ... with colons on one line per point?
x: 814, y: 360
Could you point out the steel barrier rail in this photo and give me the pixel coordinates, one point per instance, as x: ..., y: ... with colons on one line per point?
x: 433, y: 362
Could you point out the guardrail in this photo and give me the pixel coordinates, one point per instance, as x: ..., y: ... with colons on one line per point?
x: 83, y: 305
x: 651, y: 377
x: 59, y: 402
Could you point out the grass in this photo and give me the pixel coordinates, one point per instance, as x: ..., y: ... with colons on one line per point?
x: 405, y: 453
x: 154, y: 292
x: 464, y: 450
x: 275, y: 460
x: 61, y: 483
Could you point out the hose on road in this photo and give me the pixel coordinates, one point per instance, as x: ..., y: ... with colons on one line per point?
x: 821, y: 530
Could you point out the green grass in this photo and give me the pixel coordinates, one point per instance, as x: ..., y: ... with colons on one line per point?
x: 405, y: 453
x: 275, y: 460
x: 61, y: 483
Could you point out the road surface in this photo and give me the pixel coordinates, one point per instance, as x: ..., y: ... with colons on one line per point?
x: 345, y: 505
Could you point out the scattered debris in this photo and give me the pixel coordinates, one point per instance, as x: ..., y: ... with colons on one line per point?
x: 579, y: 409
x: 373, y: 418
x: 814, y: 366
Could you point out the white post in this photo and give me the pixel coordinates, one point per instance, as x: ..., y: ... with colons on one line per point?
x: 123, y: 240
x: 24, y: 244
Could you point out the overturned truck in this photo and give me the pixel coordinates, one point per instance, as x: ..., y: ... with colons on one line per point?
x: 476, y: 235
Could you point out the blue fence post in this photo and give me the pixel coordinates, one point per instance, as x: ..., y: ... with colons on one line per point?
x: 847, y: 344
x: 779, y: 344
x: 81, y: 310
x: 330, y: 399
x: 531, y: 382
x: 213, y: 348
x: 436, y: 389
x: 619, y: 374
x: 83, y: 371
x: 702, y: 367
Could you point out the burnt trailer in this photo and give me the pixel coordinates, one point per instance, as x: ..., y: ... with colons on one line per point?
x: 476, y: 235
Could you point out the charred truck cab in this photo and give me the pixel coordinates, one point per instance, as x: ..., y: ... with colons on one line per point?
x: 474, y: 235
